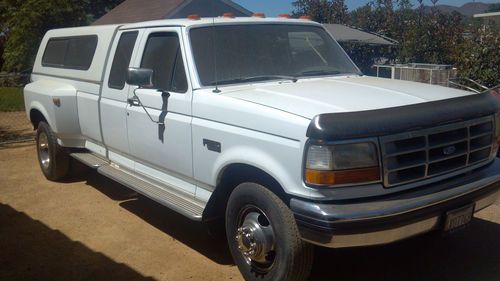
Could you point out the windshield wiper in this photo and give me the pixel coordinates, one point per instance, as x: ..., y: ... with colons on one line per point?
x: 255, y: 78
x: 319, y: 72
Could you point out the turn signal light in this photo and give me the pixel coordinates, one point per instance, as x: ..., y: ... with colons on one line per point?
x: 328, y: 178
x: 194, y: 17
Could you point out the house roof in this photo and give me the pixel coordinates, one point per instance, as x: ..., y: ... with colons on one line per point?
x: 146, y: 10
x: 344, y: 33
x: 487, y: 15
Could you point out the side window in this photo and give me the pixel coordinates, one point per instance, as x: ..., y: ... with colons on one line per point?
x: 163, y: 55
x: 70, y: 52
x: 121, y: 60
x: 54, y: 52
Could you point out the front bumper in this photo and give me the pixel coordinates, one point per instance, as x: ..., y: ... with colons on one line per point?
x: 395, y: 217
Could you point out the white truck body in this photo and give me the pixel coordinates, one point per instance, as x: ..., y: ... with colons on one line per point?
x: 262, y: 126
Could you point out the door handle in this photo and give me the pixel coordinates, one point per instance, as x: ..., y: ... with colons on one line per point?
x: 134, y: 101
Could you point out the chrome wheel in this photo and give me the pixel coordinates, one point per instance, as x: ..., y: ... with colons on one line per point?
x: 43, y: 150
x: 256, y: 239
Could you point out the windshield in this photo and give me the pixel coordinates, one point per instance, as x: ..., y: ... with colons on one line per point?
x: 259, y: 52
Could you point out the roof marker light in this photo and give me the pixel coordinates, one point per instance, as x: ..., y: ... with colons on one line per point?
x: 259, y: 15
x: 228, y: 15
x: 305, y: 18
x: 286, y: 16
x: 194, y: 17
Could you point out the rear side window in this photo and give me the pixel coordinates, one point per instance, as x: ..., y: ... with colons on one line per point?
x: 121, y: 61
x: 163, y: 55
x: 70, y: 52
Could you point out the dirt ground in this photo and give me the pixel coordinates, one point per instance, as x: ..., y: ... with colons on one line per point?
x: 93, y: 229
x: 15, y: 126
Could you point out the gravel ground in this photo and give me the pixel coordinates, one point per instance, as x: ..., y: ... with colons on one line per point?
x: 93, y: 229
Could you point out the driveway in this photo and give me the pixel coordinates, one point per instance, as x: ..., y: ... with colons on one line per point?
x: 90, y: 228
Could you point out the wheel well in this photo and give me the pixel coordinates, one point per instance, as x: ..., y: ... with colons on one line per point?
x: 230, y: 178
x: 36, y: 117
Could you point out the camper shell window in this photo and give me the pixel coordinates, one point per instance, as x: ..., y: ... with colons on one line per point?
x: 70, y: 52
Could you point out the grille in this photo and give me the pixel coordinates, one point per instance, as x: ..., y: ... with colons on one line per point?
x: 422, y: 154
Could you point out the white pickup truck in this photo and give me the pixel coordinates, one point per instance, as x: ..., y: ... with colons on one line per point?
x: 266, y: 124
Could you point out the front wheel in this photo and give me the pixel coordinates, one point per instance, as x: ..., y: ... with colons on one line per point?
x: 263, y: 236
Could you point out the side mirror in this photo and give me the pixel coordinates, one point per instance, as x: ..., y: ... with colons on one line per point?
x: 142, y: 77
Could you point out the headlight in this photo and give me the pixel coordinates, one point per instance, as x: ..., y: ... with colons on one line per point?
x: 328, y: 165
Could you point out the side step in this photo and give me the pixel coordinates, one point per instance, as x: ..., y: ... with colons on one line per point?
x: 90, y: 159
x: 168, y: 196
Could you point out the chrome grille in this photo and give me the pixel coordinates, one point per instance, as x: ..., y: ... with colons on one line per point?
x: 422, y: 154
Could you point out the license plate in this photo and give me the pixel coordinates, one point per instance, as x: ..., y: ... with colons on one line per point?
x: 458, y: 218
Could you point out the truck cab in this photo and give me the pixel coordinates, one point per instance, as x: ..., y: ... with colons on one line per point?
x: 266, y: 125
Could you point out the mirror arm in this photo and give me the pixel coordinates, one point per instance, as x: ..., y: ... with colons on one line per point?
x: 145, y: 110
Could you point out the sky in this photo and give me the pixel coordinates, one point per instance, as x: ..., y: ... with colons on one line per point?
x: 275, y: 7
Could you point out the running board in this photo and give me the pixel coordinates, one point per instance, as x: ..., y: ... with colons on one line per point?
x: 168, y: 196
x: 90, y: 159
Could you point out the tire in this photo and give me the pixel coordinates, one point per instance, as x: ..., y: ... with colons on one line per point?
x: 255, y: 214
x: 53, y: 160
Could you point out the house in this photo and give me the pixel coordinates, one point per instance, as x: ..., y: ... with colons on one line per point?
x: 491, y: 19
x: 145, y: 10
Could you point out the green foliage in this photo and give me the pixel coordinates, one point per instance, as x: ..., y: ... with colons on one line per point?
x: 427, y: 37
x: 479, y: 56
x: 25, y: 23
x: 11, y: 99
x: 28, y: 25
x: 431, y: 38
x: 323, y: 11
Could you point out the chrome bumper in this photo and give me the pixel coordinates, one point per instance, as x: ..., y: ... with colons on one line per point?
x: 389, y: 219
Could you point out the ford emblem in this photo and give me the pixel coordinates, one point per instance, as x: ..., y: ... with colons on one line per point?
x: 449, y: 150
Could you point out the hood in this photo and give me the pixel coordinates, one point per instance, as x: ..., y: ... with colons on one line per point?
x: 313, y: 96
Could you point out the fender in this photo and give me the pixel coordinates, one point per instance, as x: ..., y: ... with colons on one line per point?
x: 258, y: 159
x: 61, y: 117
x: 36, y: 105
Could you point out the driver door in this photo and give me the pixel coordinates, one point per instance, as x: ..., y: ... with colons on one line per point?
x: 162, y: 146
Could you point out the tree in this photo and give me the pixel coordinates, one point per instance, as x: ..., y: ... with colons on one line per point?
x: 318, y: 10
x: 478, y: 57
x: 340, y: 12
x: 25, y: 22
x: 323, y: 11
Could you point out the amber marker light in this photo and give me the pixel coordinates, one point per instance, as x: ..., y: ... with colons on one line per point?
x: 228, y: 15
x: 286, y: 16
x: 259, y: 15
x: 194, y: 17
x: 304, y: 18
x: 355, y: 176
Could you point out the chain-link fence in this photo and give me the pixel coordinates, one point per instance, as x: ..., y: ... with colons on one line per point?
x: 14, y: 124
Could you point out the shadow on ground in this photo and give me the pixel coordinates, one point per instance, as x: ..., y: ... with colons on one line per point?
x: 472, y: 254
x: 31, y: 250
x: 9, y: 135
x: 194, y: 234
